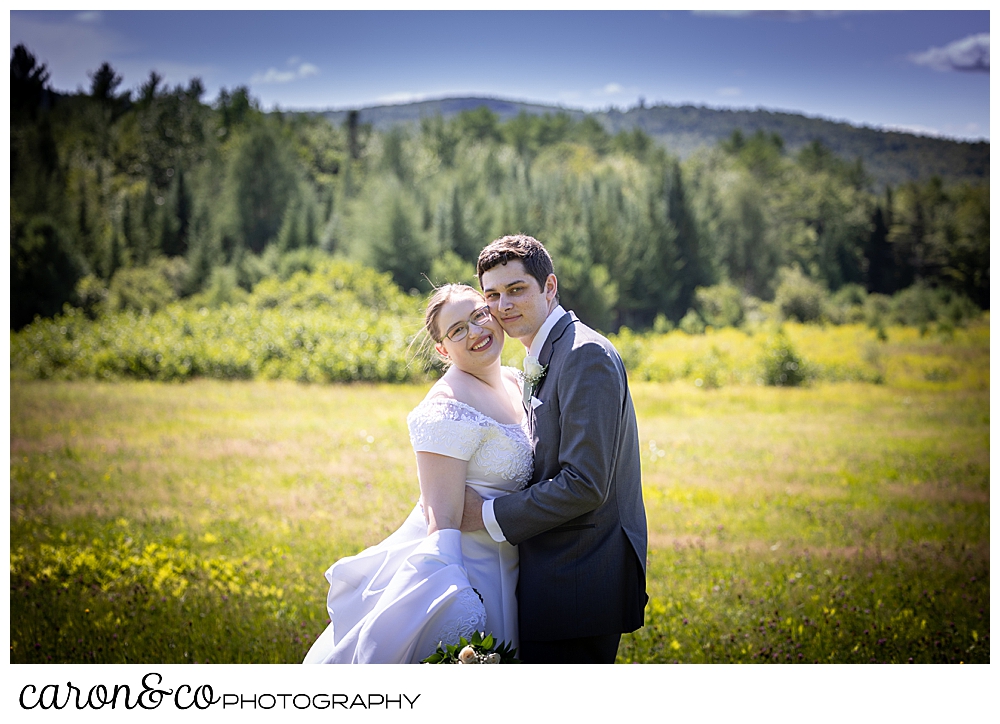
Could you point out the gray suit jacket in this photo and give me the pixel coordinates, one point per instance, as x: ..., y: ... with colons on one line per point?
x: 580, y: 527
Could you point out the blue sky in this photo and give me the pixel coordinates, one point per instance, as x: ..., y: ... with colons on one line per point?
x: 924, y: 71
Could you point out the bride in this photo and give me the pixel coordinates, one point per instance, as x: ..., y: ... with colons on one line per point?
x: 427, y: 583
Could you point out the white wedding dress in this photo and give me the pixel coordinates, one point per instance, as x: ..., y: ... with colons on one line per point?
x: 396, y: 601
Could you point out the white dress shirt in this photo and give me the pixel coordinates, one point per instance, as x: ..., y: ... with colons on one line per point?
x: 489, y: 519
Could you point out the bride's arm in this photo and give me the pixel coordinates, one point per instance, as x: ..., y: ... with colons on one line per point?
x: 442, y: 489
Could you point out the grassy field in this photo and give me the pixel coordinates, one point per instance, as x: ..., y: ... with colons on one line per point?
x: 838, y: 522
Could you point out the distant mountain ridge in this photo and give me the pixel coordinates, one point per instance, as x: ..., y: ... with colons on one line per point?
x: 890, y: 157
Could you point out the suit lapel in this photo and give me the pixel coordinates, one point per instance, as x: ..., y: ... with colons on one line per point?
x: 545, y: 356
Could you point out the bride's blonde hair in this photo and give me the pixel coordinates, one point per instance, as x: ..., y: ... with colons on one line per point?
x: 441, y: 296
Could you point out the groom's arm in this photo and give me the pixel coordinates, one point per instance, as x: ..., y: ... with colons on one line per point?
x: 591, y: 394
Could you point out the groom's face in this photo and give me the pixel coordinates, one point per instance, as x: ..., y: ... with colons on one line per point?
x: 516, y: 300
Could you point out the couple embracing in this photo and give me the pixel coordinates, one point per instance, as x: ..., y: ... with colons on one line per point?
x: 530, y: 524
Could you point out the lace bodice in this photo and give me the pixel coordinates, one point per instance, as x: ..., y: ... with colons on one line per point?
x: 499, y: 454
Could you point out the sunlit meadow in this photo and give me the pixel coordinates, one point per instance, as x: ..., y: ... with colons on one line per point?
x: 840, y: 521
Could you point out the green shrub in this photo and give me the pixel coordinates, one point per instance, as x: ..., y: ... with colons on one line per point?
x: 849, y: 295
x: 139, y: 288
x: 334, y: 283
x: 878, y: 311
x: 847, y: 304
x: 92, y: 296
x: 780, y: 364
x: 920, y: 305
x: 915, y: 306
x: 222, y: 288
x: 272, y: 262
x: 720, y: 305
x: 957, y: 308
x: 757, y: 312
x: 174, y: 269
x: 662, y: 325
x: 708, y: 370
x: 692, y: 323
x: 630, y: 346
x: 342, y: 322
x: 306, y: 260
x: 798, y: 297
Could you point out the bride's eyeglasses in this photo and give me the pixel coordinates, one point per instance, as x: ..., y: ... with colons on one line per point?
x: 460, y: 331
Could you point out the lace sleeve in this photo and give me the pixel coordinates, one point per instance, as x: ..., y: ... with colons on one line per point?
x: 446, y: 427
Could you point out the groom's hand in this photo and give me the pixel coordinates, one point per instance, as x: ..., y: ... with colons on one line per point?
x: 472, y: 515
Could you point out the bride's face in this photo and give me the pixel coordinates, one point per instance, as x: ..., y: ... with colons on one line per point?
x: 469, y: 339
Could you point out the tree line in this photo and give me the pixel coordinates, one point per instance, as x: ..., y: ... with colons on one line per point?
x: 134, y: 198
x: 891, y: 157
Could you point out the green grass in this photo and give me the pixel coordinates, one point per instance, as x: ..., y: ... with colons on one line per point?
x: 842, y: 523
x: 838, y: 522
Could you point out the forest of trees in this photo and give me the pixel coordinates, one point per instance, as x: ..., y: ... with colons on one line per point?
x: 135, y: 198
x: 891, y: 157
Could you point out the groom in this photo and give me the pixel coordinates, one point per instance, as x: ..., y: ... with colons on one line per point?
x: 580, y: 526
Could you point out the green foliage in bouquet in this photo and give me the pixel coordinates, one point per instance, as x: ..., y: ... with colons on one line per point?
x: 482, y: 649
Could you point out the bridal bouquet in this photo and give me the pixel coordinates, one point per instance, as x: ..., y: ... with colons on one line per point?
x: 482, y: 649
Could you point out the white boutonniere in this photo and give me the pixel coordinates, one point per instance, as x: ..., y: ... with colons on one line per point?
x: 533, y: 373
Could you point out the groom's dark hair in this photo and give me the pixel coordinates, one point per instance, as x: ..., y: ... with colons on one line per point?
x: 518, y: 247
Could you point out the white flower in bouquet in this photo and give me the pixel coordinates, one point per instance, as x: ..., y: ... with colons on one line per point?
x: 481, y: 648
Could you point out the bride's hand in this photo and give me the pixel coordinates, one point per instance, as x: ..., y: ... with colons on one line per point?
x: 472, y: 515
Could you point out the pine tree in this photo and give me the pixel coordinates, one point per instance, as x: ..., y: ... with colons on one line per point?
x: 44, y: 270
x: 691, y: 266
x: 880, y: 274
x: 113, y: 261
x: 28, y: 83
x: 177, y: 211
x: 260, y: 183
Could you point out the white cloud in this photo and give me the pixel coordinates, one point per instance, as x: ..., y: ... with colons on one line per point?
x: 402, y: 97
x: 960, y: 131
x: 913, y: 128
x: 89, y: 16
x: 273, y: 75
x: 730, y: 91
x: 612, y: 88
x: 970, y: 54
